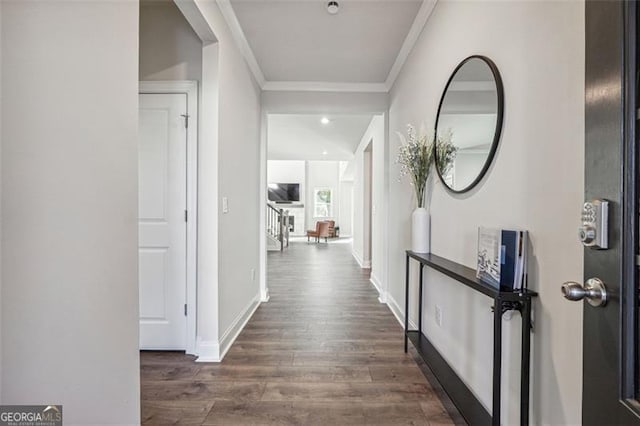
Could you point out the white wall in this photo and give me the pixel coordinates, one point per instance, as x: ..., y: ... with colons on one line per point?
x: 69, y: 208
x: 284, y: 171
x: 311, y: 175
x: 345, y: 214
x: 322, y: 174
x: 291, y: 171
x: 345, y: 217
x: 207, y: 345
x: 366, y: 217
x: 237, y: 157
x: 375, y: 139
x: 169, y: 47
x: 536, y: 182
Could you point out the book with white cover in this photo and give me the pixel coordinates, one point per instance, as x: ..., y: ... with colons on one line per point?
x: 502, y: 258
x: 489, y: 256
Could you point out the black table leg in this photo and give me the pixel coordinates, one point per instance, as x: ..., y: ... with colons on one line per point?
x: 497, y: 361
x: 420, y: 301
x: 525, y: 363
x: 406, y: 305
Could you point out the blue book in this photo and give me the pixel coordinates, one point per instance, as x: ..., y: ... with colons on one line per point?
x: 509, y: 249
x: 502, y: 258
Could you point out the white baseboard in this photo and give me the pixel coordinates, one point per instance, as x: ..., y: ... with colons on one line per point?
x: 398, y: 312
x: 382, y: 298
x: 361, y: 263
x: 264, y: 297
x: 230, y: 335
x: 208, y: 351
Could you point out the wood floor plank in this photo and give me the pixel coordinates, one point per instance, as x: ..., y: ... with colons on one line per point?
x: 400, y: 374
x: 349, y: 358
x: 284, y: 374
x: 322, y: 351
x: 166, y: 358
x: 194, y: 390
x: 264, y: 346
x: 353, y: 392
x: 175, y: 412
x: 255, y: 413
x: 168, y: 372
x: 394, y: 414
x: 286, y: 413
x: 269, y: 358
x: 435, y: 413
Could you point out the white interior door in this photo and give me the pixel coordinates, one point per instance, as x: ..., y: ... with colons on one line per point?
x: 162, y: 223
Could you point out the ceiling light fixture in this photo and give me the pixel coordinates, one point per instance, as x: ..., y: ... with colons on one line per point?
x: 332, y: 7
x: 324, y: 120
x: 324, y: 152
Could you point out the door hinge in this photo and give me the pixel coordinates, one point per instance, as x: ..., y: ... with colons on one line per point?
x: 185, y: 309
x: 186, y: 216
x: 186, y: 120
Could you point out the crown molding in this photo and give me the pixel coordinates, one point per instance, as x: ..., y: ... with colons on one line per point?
x: 426, y: 8
x: 410, y: 40
x: 321, y: 86
x: 238, y: 35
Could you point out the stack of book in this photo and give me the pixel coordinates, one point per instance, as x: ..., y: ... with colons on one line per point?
x: 502, y: 258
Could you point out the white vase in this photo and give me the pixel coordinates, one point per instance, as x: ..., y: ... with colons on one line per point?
x: 420, y: 231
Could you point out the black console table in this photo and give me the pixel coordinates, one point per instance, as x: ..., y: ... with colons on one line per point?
x: 462, y: 397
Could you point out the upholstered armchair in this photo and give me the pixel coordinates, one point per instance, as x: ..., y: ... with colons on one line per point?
x: 314, y: 232
x: 324, y: 231
x: 321, y: 231
x: 332, y: 228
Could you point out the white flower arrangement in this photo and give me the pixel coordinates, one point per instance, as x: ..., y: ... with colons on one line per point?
x: 416, y: 156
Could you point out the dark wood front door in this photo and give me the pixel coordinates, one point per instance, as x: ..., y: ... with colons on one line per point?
x: 610, y: 357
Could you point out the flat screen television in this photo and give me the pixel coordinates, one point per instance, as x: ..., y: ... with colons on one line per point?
x: 284, y: 192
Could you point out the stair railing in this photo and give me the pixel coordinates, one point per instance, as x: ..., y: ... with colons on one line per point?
x: 278, y: 225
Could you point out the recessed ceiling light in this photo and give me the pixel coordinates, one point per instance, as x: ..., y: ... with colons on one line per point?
x: 324, y: 152
x: 332, y: 7
x: 324, y: 120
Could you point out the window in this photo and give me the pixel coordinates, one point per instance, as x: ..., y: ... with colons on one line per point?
x: 449, y: 176
x: 322, y: 202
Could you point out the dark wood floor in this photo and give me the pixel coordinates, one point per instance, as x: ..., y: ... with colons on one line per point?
x: 322, y: 351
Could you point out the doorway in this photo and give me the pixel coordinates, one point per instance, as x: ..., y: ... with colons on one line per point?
x: 367, y: 220
x: 366, y: 129
x: 167, y: 195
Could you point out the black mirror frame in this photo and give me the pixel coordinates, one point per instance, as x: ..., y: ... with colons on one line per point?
x: 498, y: 130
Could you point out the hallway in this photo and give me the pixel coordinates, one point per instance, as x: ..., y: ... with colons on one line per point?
x: 323, y: 350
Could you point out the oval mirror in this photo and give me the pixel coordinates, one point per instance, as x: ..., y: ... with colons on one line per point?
x: 468, y: 124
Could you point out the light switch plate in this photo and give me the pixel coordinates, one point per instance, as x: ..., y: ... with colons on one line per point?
x: 225, y: 205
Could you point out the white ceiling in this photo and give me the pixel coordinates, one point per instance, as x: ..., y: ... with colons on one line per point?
x: 304, y: 137
x: 297, y: 45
